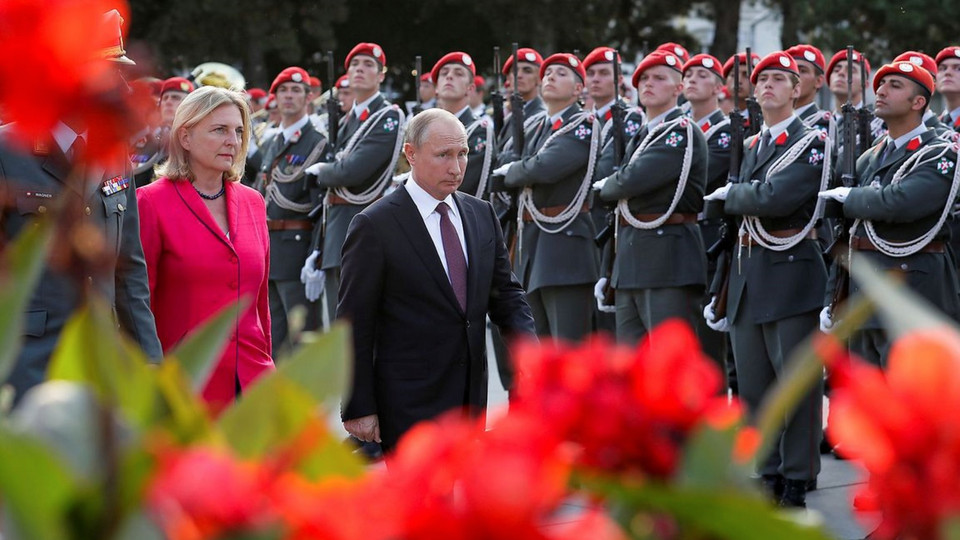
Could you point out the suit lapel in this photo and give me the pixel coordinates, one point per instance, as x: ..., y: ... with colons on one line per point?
x: 195, y: 204
x: 471, y: 230
x: 57, y: 165
x: 415, y: 230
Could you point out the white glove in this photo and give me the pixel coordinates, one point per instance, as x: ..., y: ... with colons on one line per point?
x: 598, y: 294
x: 826, y: 320
x: 502, y: 170
x: 710, y: 316
x: 312, y: 277
x: 838, y: 194
x: 313, y: 169
x: 719, y: 195
x: 598, y: 185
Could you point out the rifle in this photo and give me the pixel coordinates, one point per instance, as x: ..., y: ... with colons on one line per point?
x: 604, y: 238
x: 728, y: 227
x: 418, y: 61
x: 864, y: 115
x: 509, y: 217
x: 333, y: 110
x: 497, y: 97
x: 754, y: 114
x: 848, y: 178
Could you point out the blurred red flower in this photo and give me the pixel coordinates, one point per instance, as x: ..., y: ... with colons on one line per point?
x: 53, y: 68
x: 627, y: 409
x: 903, y: 426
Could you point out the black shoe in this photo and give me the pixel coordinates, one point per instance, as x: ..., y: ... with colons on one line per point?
x: 825, y: 446
x: 772, y: 485
x: 812, y: 485
x: 794, y: 494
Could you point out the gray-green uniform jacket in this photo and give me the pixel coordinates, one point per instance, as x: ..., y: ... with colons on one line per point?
x: 479, y: 146
x: 670, y: 255
x: 767, y: 285
x: 555, y: 172
x: 357, y: 172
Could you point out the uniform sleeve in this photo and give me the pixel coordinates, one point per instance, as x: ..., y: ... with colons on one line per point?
x: 368, y: 158
x: 783, y: 193
x: 552, y: 163
x: 363, y: 265
x: 133, y: 285
x: 658, y: 165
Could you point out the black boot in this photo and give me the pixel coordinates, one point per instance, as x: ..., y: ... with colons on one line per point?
x: 794, y: 494
x: 772, y: 485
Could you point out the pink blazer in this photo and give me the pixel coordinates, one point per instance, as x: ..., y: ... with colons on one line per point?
x: 195, y: 270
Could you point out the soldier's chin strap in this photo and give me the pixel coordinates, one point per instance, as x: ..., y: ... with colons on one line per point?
x: 905, y: 249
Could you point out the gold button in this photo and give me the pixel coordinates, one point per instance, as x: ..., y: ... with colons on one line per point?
x: 87, y: 211
x: 42, y: 209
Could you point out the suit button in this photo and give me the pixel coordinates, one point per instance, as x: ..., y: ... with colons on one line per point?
x: 659, y: 232
x: 569, y: 233
x: 904, y: 266
x: 41, y: 209
x: 790, y: 258
x: 233, y: 259
x: 297, y: 238
x: 232, y: 285
x: 87, y: 211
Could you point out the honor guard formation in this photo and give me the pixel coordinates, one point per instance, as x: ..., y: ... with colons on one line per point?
x: 723, y: 195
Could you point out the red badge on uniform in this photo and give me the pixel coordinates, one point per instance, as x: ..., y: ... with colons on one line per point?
x: 782, y: 139
x: 608, y: 115
x: 364, y: 115
x: 914, y: 143
x: 557, y: 124
x: 956, y: 123
x: 706, y: 126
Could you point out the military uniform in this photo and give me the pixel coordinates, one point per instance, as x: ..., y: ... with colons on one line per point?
x: 659, y: 272
x: 290, y: 195
x: 903, y: 211
x: 33, y: 184
x: 480, y: 156
x: 147, y: 152
x: 533, y: 111
x: 774, y: 296
x: 559, y: 265
x: 367, y: 148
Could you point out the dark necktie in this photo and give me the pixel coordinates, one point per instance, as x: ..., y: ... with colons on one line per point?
x: 888, y: 150
x: 456, y: 262
x: 766, y: 147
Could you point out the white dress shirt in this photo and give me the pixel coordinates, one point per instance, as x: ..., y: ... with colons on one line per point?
x: 427, y: 206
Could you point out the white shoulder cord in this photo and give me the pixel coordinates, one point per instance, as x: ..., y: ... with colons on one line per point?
x: 905, y: 249
x: 272, y: 191
x: 374, y: 191
x: 527, y: 124
x: 487, y: 153
x: 752, y: 225
x: 623, y: 207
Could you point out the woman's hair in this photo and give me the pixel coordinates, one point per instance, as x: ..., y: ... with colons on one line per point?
x: 191, y: 111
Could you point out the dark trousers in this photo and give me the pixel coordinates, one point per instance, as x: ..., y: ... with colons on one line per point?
x: 872, y: 345
x: 562, y: 312
x: 640, y: 310
x: 761, y: 352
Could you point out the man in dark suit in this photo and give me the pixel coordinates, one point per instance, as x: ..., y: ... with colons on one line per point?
x: 422, y: 269
x: 777, y: 277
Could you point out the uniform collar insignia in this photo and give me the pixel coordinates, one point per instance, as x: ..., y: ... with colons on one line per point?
x: 914, y: 143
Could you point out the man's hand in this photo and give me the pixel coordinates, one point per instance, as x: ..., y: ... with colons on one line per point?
x: 719, y: 195
x: 502, y: 170
x: 710, y: 316
x: 598, y: 185
x: 365, y: 428
x: 838, y: 194
x: 312, y: 278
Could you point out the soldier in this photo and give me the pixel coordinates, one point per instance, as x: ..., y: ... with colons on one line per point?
x: 344, y: 94
x: 475, y: 98
x: 907, y: 186
x: 528, y: 86
x: 744, y: 76
x: 777, y: 278
x: 428, y: 92
x: 930, y: 118
x: 368, y: 146
x: 837, y: 82
x: 290, y: 196
x: 556, y: 258
x: 660, y: 268
x: 702, y: 84
x: 258, y: 98
x: 454, y: 74
x: 601, y: 87
x: 948, y: 84
x: 50, y: 176
x: 812, y: 65
x: 150, y: 151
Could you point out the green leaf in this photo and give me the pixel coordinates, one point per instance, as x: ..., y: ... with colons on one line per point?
x: 92, y: 351
x: 22, y: 262
x: 321, y: 365
x: 186, y: 416
x: 716, y: 513
x: 36, y: 486
x: 200, y: 351
x: 269, y: 415
x: 708, y: 461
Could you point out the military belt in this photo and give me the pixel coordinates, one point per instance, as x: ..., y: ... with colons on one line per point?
x: 745, y: 240
x: 289, y: 225
x: 552, y: 211
x: 674, y: 219
x: 862, y: 243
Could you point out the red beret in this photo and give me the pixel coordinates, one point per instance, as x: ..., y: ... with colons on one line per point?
x: 458, y: 57
x: 918, y: 59
x: 567, y: 60
x: 676, y: 49
x: 842, y: 56
x: 810, y: 54
x: 271, y: 102
x: 908, y: 70
x: 343, y: 82
x: 368, y: 49
x: 725, y: 93
x: 526, y: 55
x: 479, y: 81
x: 291, y: 74
x: 176, y: 84
x: 600, y: 55
x: 315, y: 82
x: 656, y: 58
x: 728, y: 65
x: 950, y: 52
x: 704, y: 61
x: 426, y: 77
x: 257, y: 94
x: 779, y: 60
